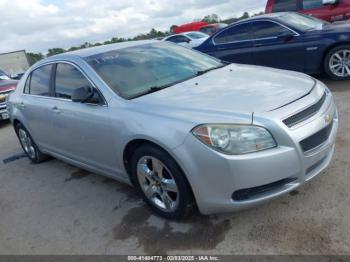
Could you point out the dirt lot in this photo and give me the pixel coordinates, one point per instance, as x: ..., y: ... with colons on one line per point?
x: 54, y: 208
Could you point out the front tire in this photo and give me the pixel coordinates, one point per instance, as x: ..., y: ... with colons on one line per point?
x: 337, y: 63
x: 29, y: 147
x: 161, y: 182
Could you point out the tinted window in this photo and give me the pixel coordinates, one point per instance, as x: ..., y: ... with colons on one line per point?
x: 68, y: 78
x: 178, y: 39
x: 235, y: 33
x: 208, y: 30
x: 133, y: 71
x: 197, y: 35
x: 286, y: 5
x: 40, y: 81
x: 301, y: 22
x: 26, y: 86
x: 310, y: 4
x: 267, y: 29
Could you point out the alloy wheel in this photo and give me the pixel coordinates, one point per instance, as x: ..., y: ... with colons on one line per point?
x: 27, y: 143
x: 157, y: 183
x: 339, y: 63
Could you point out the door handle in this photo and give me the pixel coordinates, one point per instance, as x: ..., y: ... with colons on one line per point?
x: 56, y: 110
x: 258, y: 45
x: 21, y: 105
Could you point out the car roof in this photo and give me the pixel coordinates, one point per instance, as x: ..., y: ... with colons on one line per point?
x: 90, y: 51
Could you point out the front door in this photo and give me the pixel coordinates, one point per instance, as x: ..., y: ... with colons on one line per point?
x: 82, y: 130
x: 277, y: 46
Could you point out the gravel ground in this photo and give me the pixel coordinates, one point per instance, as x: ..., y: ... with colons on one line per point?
x: 55, y: 208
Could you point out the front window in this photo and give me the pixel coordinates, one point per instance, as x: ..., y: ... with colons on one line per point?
x: 68, y: 79
x: 136, y: 71
x: 302, y: 22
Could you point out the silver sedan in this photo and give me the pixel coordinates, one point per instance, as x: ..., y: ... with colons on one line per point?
x: 185, y: 129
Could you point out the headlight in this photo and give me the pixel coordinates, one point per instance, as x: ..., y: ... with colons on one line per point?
x: 235, y: 139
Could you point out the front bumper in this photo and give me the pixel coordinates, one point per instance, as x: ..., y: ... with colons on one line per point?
x: 215, y: 177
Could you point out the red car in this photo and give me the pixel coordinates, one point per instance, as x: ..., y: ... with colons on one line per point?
x: 330, y: 10
x: 212, y: 28
x: 6, y: 86
x: 194, y: 26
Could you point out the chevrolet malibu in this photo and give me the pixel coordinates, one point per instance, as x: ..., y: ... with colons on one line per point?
x: 185, y: 129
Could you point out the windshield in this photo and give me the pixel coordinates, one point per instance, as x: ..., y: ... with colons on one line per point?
x: 135, y: 71
x: 196, y: 35
x: 3, y: 76
x: 302, y: 22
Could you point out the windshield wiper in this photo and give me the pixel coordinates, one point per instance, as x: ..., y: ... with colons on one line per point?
x: 151, y: 90
x: 202, y: 72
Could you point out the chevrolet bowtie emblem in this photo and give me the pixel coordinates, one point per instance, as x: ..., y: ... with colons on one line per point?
x: 328, y: 118
x: 2, y: 98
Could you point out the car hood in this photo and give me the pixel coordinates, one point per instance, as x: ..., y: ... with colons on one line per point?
x: 6, y: 85
x: 337, y: 27
x: 233, y: 89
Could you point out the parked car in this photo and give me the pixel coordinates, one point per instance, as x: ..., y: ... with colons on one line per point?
x: 287, y: 41
x: 194, y: 26
x: 189, y: 39
x: 212, y: 28
x: 182, y: 127
x: 330, y: 10
x: 6, y: 86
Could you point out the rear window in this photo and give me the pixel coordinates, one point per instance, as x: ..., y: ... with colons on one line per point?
x: 234, y: 34
x: 286, y: 5
x: 311, y: 4
x: 40, y: 81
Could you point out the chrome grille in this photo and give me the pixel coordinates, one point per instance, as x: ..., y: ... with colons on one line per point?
x: 3, y: 98
x: 305, y: 114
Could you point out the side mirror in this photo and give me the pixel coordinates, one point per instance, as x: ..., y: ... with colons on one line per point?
x: 187, y: 41
x: 330, y: 2
x: 82, y: 94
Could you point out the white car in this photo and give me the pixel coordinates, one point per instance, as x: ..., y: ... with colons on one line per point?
x: 188, y: 39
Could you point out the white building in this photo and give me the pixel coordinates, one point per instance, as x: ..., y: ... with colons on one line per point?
x: 14, y: 63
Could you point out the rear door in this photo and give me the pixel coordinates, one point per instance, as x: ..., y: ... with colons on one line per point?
x: 277, y: 46
x: 81, y: 130
x: 234, y: 44
x: 336, y: 12
x: 35, y: 105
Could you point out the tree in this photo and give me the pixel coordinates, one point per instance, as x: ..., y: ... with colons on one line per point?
x: 172, y: 28
x: 211, y: 19
x: 34, y: 57
x: 55, y: 51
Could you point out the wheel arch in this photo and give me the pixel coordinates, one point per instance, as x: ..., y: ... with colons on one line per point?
x: 132, y: 145
x: 329, y: 48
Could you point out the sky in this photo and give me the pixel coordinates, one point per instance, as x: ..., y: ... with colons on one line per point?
x: 37, y: 25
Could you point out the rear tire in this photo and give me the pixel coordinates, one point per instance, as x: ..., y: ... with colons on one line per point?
x: 29, y: 147
x: 162, y: 184
x: 337, y: 63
